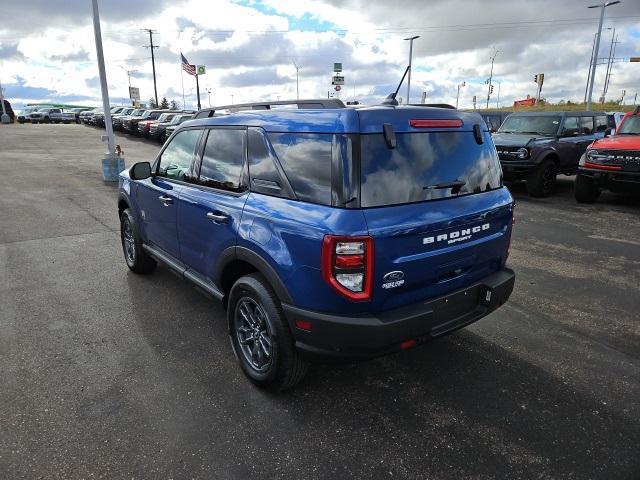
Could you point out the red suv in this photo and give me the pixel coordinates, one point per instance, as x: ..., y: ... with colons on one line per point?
x: 611, y: 163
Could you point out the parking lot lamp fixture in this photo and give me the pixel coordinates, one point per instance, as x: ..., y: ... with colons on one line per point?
x: 594, y: 59
x: 411, y: 39
x: 458, y: 94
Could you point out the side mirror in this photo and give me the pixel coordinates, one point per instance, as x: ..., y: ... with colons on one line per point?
x: 140, y: 171
x: 608, y: 132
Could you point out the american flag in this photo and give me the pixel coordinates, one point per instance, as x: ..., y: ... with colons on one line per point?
x: 187, y: 67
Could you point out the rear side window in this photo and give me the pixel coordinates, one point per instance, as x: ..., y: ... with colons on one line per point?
x: 306, y: 160
x: 223, y: 160
x: 570, y: 126
x: 176, y: 159
x: 263, y: 171
x: 426, y: 166
x: 586, y: 125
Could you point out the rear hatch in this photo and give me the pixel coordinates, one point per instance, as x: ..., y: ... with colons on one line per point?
x: 435, y: 205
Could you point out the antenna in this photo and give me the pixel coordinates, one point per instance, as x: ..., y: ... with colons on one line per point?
x: 391, y: 98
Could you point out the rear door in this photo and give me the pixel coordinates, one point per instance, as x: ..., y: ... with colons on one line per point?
x: 210, y: 208
x: 437, y: 211
x: 157, y: 196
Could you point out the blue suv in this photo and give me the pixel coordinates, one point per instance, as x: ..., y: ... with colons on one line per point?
x: 326, y: 231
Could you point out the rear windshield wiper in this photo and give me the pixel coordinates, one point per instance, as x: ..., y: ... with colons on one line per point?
x: 455, y: 186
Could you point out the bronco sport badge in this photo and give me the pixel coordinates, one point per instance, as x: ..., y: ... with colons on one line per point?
x: 456, y: 236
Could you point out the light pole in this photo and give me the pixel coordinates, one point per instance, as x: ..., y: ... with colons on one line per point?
x: 498, y: 100
x: 458, y: 95
x: 5, y: 117
x: 411, y: 39
x: 594, y: 60
x: 209, y: 90
x: 232, y: 99
x: 297, y: 79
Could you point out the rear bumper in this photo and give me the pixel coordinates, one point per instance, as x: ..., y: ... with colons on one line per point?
x: 369, y: 336
x: 616, y: 181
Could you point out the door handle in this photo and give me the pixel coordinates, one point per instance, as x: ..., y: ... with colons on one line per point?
x: 218, y: 217
x: 166, y: 201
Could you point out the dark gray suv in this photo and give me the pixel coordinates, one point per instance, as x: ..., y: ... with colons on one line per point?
x: 537, y: 146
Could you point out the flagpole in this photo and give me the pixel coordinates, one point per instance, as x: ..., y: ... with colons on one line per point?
x: 182, y: 78
x: 198, y: 90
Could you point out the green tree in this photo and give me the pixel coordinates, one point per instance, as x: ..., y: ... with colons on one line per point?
x: 174, y: 105
x: 152, y: 103
x: 164, y: 103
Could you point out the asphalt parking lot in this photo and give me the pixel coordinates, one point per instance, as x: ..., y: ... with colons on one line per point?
x: 106, y: 374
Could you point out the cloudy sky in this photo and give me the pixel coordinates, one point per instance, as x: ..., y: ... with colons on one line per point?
x: 47, y: 49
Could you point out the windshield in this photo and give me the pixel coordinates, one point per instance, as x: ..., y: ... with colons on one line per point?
x: 426, y: 166
x: 165, y: 117
x: 631, y: 126
x: 542, y: 125
x: 137, y: 113
x: 146, y: 114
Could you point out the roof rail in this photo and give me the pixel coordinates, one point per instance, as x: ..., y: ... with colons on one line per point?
x: 321, y: 103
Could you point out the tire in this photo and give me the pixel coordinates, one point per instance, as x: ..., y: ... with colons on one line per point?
x: 541, y: 182
x: 47, y: 120
x: 137, y: 259
x: 272, y: 362
x: 585, y: 189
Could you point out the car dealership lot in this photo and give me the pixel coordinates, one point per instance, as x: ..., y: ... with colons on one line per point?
x: 109, y: 374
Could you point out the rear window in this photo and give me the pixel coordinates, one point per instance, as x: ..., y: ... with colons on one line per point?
x: 426, y: 166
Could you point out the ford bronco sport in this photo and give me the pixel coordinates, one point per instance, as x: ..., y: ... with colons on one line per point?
x: 326, y: 231
x: 612, y: 163
x: 536, y: 146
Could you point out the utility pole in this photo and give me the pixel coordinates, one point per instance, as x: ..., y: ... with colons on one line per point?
x: 458, y: 95
x: 493, y: 58
x: 297, y: 79
x: 594, y: 60
x: 153, y: 60
x: 411, y: 39
x: 635, y: 97
x: 612, y: 55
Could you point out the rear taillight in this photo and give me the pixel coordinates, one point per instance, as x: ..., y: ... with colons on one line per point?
x: 347, y: 265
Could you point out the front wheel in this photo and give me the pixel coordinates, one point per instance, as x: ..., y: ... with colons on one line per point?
x: 260, y: 335
x: 585, y: 189
x: 542, y: 180
x: 137, y: 259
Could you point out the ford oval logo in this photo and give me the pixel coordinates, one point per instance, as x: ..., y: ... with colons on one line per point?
x: 393, y: 276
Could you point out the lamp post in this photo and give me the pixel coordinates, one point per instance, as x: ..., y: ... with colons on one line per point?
x: 458, y: 95
x: 411, y: 39
x: 297, y: 67
x: 594, y: 59
x: 209, y: 90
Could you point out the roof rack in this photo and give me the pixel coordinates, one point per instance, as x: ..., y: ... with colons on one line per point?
x: 322, y: 103
x: 433, y: 105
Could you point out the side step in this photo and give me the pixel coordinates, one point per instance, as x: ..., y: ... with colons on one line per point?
x: 183, y: 271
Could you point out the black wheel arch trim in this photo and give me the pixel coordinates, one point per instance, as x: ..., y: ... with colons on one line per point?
x: 259, y: 263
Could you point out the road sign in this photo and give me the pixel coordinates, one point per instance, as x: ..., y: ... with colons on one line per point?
x: 134, y: 93
x: 337, y: 88
x: 201, y: 70
x: 337, y: 80
x: 634, y: 59
x: 337, y: 67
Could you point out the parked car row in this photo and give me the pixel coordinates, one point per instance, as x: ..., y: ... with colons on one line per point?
x: 537, y: 146
x: 156, y: 124
x: 51, y: 115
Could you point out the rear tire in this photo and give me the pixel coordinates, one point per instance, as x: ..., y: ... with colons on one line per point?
x: 260, y: 335
x: 585, y: 189
x: 541, y: 182
x: 137, y: 259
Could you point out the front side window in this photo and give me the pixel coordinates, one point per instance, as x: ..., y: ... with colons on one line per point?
x: 570, y: 127
x: 223, y: 160
x: 426, y: 166
x: 531, y: 124
x: 306, y: 161
x: 175, y: 161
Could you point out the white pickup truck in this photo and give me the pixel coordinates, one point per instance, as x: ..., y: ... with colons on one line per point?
x: 51, y: 115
